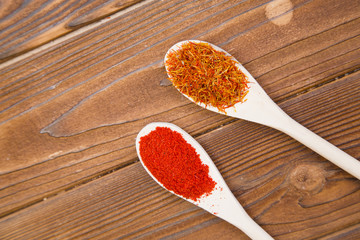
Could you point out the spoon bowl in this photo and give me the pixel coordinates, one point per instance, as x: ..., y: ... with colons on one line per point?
x: 258, y: 107
x: 220, y: 202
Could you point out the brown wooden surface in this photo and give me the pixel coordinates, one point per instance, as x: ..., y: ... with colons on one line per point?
x: 70, y: 112
x: 26, y: 24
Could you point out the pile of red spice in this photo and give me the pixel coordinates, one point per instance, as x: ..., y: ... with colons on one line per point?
x: 206, y: 75
x: 175, y: 163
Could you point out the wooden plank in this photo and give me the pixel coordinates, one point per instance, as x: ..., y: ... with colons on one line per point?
x: 18, y: 97
x: 288, y: 189
x: 28, y: 24
x: 71, y: 113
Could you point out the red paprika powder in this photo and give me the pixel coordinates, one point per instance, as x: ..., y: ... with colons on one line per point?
x: 175, y: 163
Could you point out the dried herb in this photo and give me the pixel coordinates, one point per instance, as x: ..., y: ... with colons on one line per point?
x: 206, y: 75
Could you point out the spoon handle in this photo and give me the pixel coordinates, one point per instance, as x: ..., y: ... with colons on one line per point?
x: 235, y: 214
x: 320, y: 145
x: 270, y: 114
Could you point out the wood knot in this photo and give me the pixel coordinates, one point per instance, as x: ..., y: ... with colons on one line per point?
x: 279, y: 12
x: 308, y: 178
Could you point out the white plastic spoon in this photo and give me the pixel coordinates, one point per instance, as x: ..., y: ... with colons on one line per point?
x: 259, y: 108
x: 220, y: 202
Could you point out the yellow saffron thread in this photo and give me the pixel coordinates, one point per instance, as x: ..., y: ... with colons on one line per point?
x: 206, y: 75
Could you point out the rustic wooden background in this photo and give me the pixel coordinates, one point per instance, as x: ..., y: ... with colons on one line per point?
x: 79, y: 79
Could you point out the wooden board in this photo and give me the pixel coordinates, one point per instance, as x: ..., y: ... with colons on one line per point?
x: 25, y: 25
x: 292, y: 192
x: 70, y: 113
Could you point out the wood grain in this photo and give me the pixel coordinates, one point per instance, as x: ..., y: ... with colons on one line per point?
x: 70, y: 113
x: 285, y: 187
x: 25, y: 25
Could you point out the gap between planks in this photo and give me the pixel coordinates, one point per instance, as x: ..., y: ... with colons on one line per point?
x: 311, y: 88
x: 73, y: 34
x: 103, y: 21
x: 75, y: 185
x: 136, y: 160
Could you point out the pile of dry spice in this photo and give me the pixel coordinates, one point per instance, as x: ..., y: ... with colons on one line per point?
x: 175, y: 163
x: 206, y: 75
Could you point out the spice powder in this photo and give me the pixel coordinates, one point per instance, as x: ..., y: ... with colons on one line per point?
x: 175, y: 163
